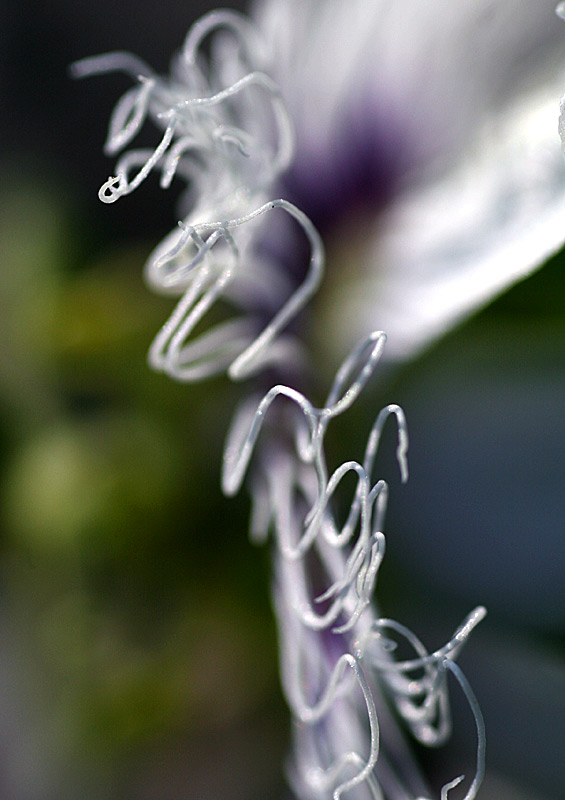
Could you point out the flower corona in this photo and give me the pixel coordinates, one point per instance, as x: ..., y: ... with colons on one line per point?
x: 226, y: 133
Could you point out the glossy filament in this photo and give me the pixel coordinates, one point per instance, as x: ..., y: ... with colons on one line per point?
x: 297, y: 506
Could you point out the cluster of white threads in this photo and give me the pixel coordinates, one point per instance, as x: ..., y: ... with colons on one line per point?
x: 225, y: 131
x: 229, y: 143
x: 346, y: 649
x: 235, y: 344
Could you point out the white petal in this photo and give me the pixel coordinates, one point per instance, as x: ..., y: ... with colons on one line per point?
x: 443, y: 63
x: 446, y: 249
x: 476, y: 85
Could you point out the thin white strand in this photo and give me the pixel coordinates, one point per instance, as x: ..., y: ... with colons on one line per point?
x: 423, y: 704
x: 360, y: 567
x: 450, y: 665
x: 368, y: 462
x: 118, y: 61
x: 133, y: 159
x: 287, y: 481
x: 285, y: 145
x: 337, y: 685
x: 170, y: 353
x: 256, y: 353
x: 238, y: 24
x: 210, y: 353
x: 128, y: 116
x: 455, y: 643
x: 177, y: 354
x: 240, y: 444
x: 360, y: 363
x: 245, y: 364
x: 173, y: 160
x: 430, y: 691
x: 117, y: 186
x: 237, y: 458
x: 303, y: 666
x: 168, y: 270
x: 329, y: 777
x: 232, y: 135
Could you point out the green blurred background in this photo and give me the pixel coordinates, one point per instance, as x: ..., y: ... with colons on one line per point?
x: 137, y: 649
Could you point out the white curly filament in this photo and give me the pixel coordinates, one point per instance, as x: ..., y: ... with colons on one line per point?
x: 225, y: 133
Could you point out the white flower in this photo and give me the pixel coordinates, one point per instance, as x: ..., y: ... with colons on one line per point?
x: 427, y: 151
x: 428, y: 155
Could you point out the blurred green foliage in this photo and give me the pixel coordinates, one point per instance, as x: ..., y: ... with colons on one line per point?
x: 134, y: 610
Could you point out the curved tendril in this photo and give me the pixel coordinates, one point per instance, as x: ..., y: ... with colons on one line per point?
x: 256, y: 353
x: 369, y: 458
x: 238, y: 451
x: 128, y: 116
x: 118, y: 186
x: 230, y: 134
x: 212, y: 351
x: 285, y: 483
x: 173, y: 159
x: 133, y: 159
x: 360, y: 363
x: 237, y: 455
x: 455, y: 643
x: 238, y: 24
x: 285, y: 148
x: 421, y: 702
x: 159, y: 272
x: 322, y: 708
x: 450, y: 665
x: 337, y: 685
x: 319, y: 513
x: 246, y: 362
x: 118, y: 61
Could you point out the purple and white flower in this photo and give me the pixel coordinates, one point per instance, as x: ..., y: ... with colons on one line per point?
x: 427, y: 156
x: 427, y: 151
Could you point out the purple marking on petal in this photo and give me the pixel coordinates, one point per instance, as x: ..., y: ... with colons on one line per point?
x: 357, y: 169
x: 352, y: 173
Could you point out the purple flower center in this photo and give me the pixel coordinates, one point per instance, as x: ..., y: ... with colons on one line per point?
x: 354, y: 171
